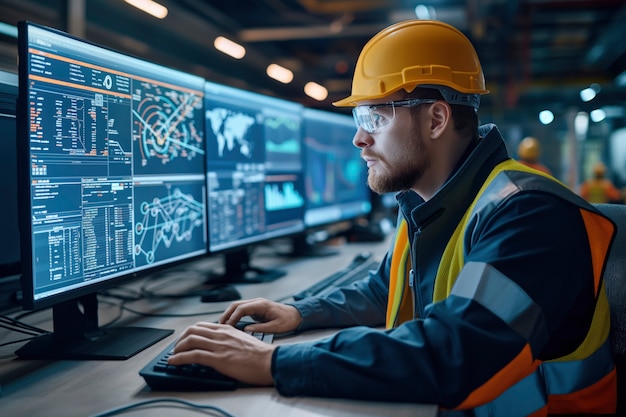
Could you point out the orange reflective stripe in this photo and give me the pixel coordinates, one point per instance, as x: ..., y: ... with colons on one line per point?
x: 520, y: 367
x: 599, y: 398
x: 598, y: 228
x: 540, y: 413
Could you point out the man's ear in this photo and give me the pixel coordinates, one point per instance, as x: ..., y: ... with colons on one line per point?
x: 440, y: 116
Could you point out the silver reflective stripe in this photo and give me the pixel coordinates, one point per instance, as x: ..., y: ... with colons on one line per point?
x: 571, y: 376
x: 520, y: 400
x: 504, y: 298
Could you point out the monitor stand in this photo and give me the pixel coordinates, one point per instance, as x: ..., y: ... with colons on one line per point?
x: 237, y: 270
x: 76, y: 335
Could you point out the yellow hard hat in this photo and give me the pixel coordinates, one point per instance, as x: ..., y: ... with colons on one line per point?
x: 599, y: 169
x: 413, y: 53
x: 528, y: 149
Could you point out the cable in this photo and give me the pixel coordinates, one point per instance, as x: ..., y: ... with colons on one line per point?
x: 111, y: 292
x: 119, y: 314
x: 19, y: 330
x: 204, y: 313
x: 125, y: 408
x: 152, y: 292
x: 28, y: 313
x: 20, y: 326
x: 15, y: 341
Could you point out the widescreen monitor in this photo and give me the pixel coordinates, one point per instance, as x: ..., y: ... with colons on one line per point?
x: 111, y: 185
x: 335, y: 174
x: 9, y: 244
x: 254, y: 176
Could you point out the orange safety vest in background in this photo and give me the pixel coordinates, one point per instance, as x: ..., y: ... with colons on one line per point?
x: 599, y: 191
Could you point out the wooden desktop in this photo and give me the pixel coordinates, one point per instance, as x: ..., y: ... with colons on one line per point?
x: 67, y: 388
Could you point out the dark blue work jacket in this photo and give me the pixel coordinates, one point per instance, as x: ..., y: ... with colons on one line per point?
x: 453, y: 346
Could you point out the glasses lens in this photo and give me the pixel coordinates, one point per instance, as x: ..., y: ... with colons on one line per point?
x: 363, y: 118
x: 370, y: 118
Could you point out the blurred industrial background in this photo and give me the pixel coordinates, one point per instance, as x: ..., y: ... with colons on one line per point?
x: 556, y: 69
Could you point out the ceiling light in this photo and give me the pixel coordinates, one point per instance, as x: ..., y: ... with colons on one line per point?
x: 424, y: 12
x: 229, y: 47
x: 597, y: 115
x: 9, y: 30
x: 279, y: 73
x: 587, y: 94
x: 546, y: 117
x: 590, y: 92
x: 149, y: 6
x: 316, y: 91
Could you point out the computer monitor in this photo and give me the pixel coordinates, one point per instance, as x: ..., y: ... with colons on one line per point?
x: 254, y: 176
x: 111, y: 183
x: 9, y: 244
x: 335, y: 174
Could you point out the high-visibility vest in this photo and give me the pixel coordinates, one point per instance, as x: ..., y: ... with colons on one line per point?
x: 583, y: 381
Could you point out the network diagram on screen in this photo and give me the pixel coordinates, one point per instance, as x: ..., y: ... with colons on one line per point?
x: 117, y: 163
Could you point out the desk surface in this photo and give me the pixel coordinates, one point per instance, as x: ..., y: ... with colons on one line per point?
x: 85, y: 388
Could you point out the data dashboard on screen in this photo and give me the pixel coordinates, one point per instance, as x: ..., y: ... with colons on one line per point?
x: 335, y: 174
x: 112, y: 157
x: 254, y: 169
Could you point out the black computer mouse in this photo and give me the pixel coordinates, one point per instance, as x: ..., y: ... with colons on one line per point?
x: 220, y: 293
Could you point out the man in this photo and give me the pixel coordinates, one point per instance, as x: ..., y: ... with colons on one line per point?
x: 598, y: 188
x: 491, y: 293
x: 528, y: 151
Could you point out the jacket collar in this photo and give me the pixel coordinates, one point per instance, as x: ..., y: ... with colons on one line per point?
x: 462, y: 186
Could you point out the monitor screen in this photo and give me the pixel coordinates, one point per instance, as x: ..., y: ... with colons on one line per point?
x: 112, y: 183
x: 335, y: 182
x: 335, y: 173
x: 9, y: 244
x: 254, y: 174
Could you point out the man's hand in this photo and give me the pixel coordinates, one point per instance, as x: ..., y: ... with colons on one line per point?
x: 226, y: 349
x: 272, y: 317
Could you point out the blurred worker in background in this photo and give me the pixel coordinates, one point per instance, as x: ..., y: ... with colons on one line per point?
x: 598, y: 188
x: 529, y: 152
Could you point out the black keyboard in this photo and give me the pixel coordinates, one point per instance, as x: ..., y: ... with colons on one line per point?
x: 163, y: 377
x: 358, y: 269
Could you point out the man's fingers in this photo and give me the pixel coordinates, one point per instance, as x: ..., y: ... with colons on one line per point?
x: 237, y: 310
x: 191, y: 356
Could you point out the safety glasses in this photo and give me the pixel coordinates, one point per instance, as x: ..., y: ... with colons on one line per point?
x: 372, y: 117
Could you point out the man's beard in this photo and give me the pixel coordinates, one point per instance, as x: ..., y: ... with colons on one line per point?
x: 403, y: 174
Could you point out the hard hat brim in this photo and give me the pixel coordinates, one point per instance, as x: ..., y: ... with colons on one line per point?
x: 350, y: 101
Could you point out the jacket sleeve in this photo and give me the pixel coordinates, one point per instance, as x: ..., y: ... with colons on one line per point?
x: 459, y: 343
x: 361, y: 303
